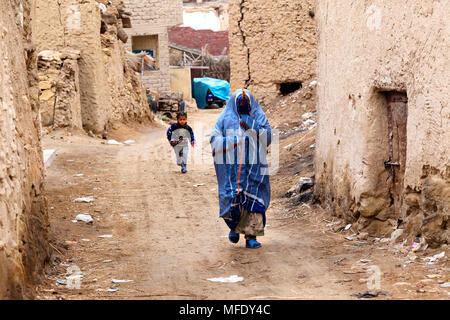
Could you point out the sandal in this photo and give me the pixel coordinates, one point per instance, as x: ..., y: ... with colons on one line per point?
x: 252, y: 244
x: 233, y: 237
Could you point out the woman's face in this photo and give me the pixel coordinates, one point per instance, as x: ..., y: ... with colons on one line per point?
x: 243, y: 104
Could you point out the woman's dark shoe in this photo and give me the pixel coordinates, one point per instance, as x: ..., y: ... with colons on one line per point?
x: 233, y: 237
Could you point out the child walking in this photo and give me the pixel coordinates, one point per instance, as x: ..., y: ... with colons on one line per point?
x: 179, y: 135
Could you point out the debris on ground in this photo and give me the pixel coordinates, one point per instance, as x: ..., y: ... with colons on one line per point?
x: 369, y: 295
x: 114, y: 142
x: 85, y: 218
x: 112, y: 289
x: 105, y: 236
x: 84, y: 199
x: 121, y: 281
x: 129, y: 142
x: 199, y: 185
x: 435, y: 257
x: 230, y: 279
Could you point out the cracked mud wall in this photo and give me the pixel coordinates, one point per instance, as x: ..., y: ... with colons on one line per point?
x: 366, y: 48
x: 23, y: 215
x: 109, y: 89
x: 272, y: 42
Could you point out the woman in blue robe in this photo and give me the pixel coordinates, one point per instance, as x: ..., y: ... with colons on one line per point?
x: 239, y: 143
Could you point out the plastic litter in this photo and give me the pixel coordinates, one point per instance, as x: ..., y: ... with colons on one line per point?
x: 105, y: 236
x: 128, y: 142
x: 78, y: 175
x: 107, y: 261
x: 445, y: 285
x: 351, y: 238
x: 112, y: 289
x: 365, y: 260
x: 84, y: 199
x: 199, y: 185
x: 348, y: 227
x: 433, y: 276
x: 61, y: 282
x: 313, y: 83
x: 230, y: 279
x: 85, y: 218
x: 114, y: 142
x: 435, y: 257
x: 86, y: 240
x: 121, y: 281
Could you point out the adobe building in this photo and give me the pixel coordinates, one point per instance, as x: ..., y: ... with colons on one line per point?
x: 23, y: 214
x: 150, y: 21
x: 273, y: 46
x: 383, y: 139
x: 85, y: 78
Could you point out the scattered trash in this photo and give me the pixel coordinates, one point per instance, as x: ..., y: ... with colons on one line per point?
x: 396, y: 234
x: 78, y: 175
x: 384, y: 240
x: 112, y: 289
x: 128, y: 142
x: 230, y: 279
x: 107, y: 261
x: 313, y: 83
x: 309, y: 122
x: 445, y: 285
x: 74, y: 221
x: 86, y: 240
x: 365, y: 260
x: 348, y: 227
x: 121, y: 281
x: 369, y: 295
x: 435, y: 257
x: 433, y: 276
x: 114, y: 142
x: 415, y: 246
x: 105, y: 236
x: 333, y: 223
x: 84, y: 199
x: 61, y: 282
x: 312, y: 146
x: 199, y: 185
x: 351, y: 238
x: 85, y: 218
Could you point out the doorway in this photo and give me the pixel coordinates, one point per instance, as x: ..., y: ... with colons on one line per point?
x: 397, y: 105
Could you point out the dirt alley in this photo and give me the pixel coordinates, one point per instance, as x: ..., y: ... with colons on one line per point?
x: 168, y: 239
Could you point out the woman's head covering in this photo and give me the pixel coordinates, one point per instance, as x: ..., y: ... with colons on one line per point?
x: 243, y: 103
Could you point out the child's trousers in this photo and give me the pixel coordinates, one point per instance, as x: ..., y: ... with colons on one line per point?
x: 181, y: 153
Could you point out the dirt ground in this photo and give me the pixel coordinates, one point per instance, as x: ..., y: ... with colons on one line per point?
x: 167, y: 237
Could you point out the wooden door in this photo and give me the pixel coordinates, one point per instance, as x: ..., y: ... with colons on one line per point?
x: 397, y: 118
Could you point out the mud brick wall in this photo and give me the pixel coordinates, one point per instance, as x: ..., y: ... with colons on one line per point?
x: 155, y: 12
x: 272, y: 42
x: 154, y: 17
x: 23, y: 216
x: 368, y: 48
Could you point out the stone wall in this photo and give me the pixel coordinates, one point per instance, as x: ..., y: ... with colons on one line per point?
x: 60, y: 104
x: 272, y: 42
x: 154, y: 17
x: 23, y: 216
x: 367, y: 48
